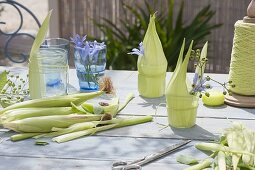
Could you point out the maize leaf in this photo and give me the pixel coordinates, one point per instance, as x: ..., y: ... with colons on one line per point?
x: 23, y: 136
x: 23, y: 113
x: 46, y: 123
x: 98, y: 109
x: 78, y: 109
x: 78, y: 134
x: 117, y: 123
x: 218, y: 147
x: 221, y: 161
x: 59, y: 101
x: 35, y: 82
x: 129, y: 97
x: 205, y: 164
x: 73, y: 128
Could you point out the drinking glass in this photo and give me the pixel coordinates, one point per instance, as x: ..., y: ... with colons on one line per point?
x: 52, y: 59
x: 90, y: 66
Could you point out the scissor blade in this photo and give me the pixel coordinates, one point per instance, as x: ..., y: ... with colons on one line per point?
x: 162, y: 152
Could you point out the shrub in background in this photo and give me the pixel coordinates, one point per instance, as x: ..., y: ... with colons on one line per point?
x: 171, y: 31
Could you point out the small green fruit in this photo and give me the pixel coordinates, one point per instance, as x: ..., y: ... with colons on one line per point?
x: 215, y: 98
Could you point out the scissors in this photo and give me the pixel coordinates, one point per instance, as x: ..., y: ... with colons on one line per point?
x: 137, y: 164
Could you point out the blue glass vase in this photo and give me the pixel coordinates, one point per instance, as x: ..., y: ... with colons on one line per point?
x: 90, y: 66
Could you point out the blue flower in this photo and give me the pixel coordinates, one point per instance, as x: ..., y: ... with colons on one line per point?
x: 84, y: 54
x: 139, y: 51
x: 95, y: 48
x: 198, y: 84
x: 78, y: 41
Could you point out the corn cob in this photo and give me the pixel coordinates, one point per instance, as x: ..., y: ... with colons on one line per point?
x: 59, y: 101
x: 46, y: 123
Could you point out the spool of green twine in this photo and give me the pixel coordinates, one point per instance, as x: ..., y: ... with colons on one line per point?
x: 242, y: 66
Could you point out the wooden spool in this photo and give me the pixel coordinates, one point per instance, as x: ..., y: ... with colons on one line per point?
x: 250, y: 18
x: 236, y: 99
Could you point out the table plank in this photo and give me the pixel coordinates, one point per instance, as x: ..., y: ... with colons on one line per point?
x: 95, y: 149
x: 24, y: 163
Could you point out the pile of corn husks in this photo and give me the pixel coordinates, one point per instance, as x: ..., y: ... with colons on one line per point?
x: 236, y: 150
x: 65, y: 118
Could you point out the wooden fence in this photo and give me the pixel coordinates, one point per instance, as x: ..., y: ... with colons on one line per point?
x: 75, y: 17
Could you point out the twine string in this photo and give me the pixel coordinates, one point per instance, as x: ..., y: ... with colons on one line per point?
x: 242, y: 66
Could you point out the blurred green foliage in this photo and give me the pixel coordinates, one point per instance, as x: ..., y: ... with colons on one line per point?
x: 171, y: 31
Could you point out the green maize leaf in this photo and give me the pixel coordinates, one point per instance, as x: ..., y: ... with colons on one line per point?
x: 221, y: 160
x: 23, y: 113
x: 46, y: 123
x: 117, y: 123
x: 23, y: 136
x: 78, y: 109
x: 78, y: 134
x: 153, y: 51
x: 186, y: 159
x: 36, y: 86
x: 203, y: 56
x: 59, y: 101
x: 98, y: 109
x: 129, y: 97
x: 204, y: 164
x: 3, y: 79
x: 240, y: 138
x: 43, y: 143
x: 217, y: 147
x: 177, y: 85
x: 73, y: 128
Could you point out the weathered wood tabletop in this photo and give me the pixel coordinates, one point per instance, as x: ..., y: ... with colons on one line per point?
x: 129, y: 143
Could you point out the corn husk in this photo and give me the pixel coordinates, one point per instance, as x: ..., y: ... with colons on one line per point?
x: 36, y: 84
x: 116, y: 123
x: 22, y: 136
x: 240, y: 138
x: 98, y: 109
x: 46, y: 123
x: 181, y: 105
x: 152, y: 65
x: 23, y: 113
x: 59, y: 101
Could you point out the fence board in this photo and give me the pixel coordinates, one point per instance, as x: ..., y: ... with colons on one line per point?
x: 75, y: 17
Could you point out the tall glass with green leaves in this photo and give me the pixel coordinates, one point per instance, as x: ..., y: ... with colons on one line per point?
x: 152, y: 64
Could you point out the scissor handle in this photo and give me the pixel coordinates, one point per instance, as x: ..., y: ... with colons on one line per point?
x: 123, y: 165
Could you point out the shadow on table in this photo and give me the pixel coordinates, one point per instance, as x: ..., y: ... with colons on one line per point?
x: 153, y: 102
x: 194, y: 133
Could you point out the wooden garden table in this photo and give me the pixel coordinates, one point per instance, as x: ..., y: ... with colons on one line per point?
x: 129, y: 143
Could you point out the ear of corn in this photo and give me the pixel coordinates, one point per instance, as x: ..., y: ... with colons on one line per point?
x: 59, y: 101
x: 23, y: 113
x: 46, y: 123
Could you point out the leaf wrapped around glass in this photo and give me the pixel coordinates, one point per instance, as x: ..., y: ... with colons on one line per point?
x: 90, y: 62
x: 182, y: 96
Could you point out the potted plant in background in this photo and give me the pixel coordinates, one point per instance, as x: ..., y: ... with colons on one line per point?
x: 171, y: 30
